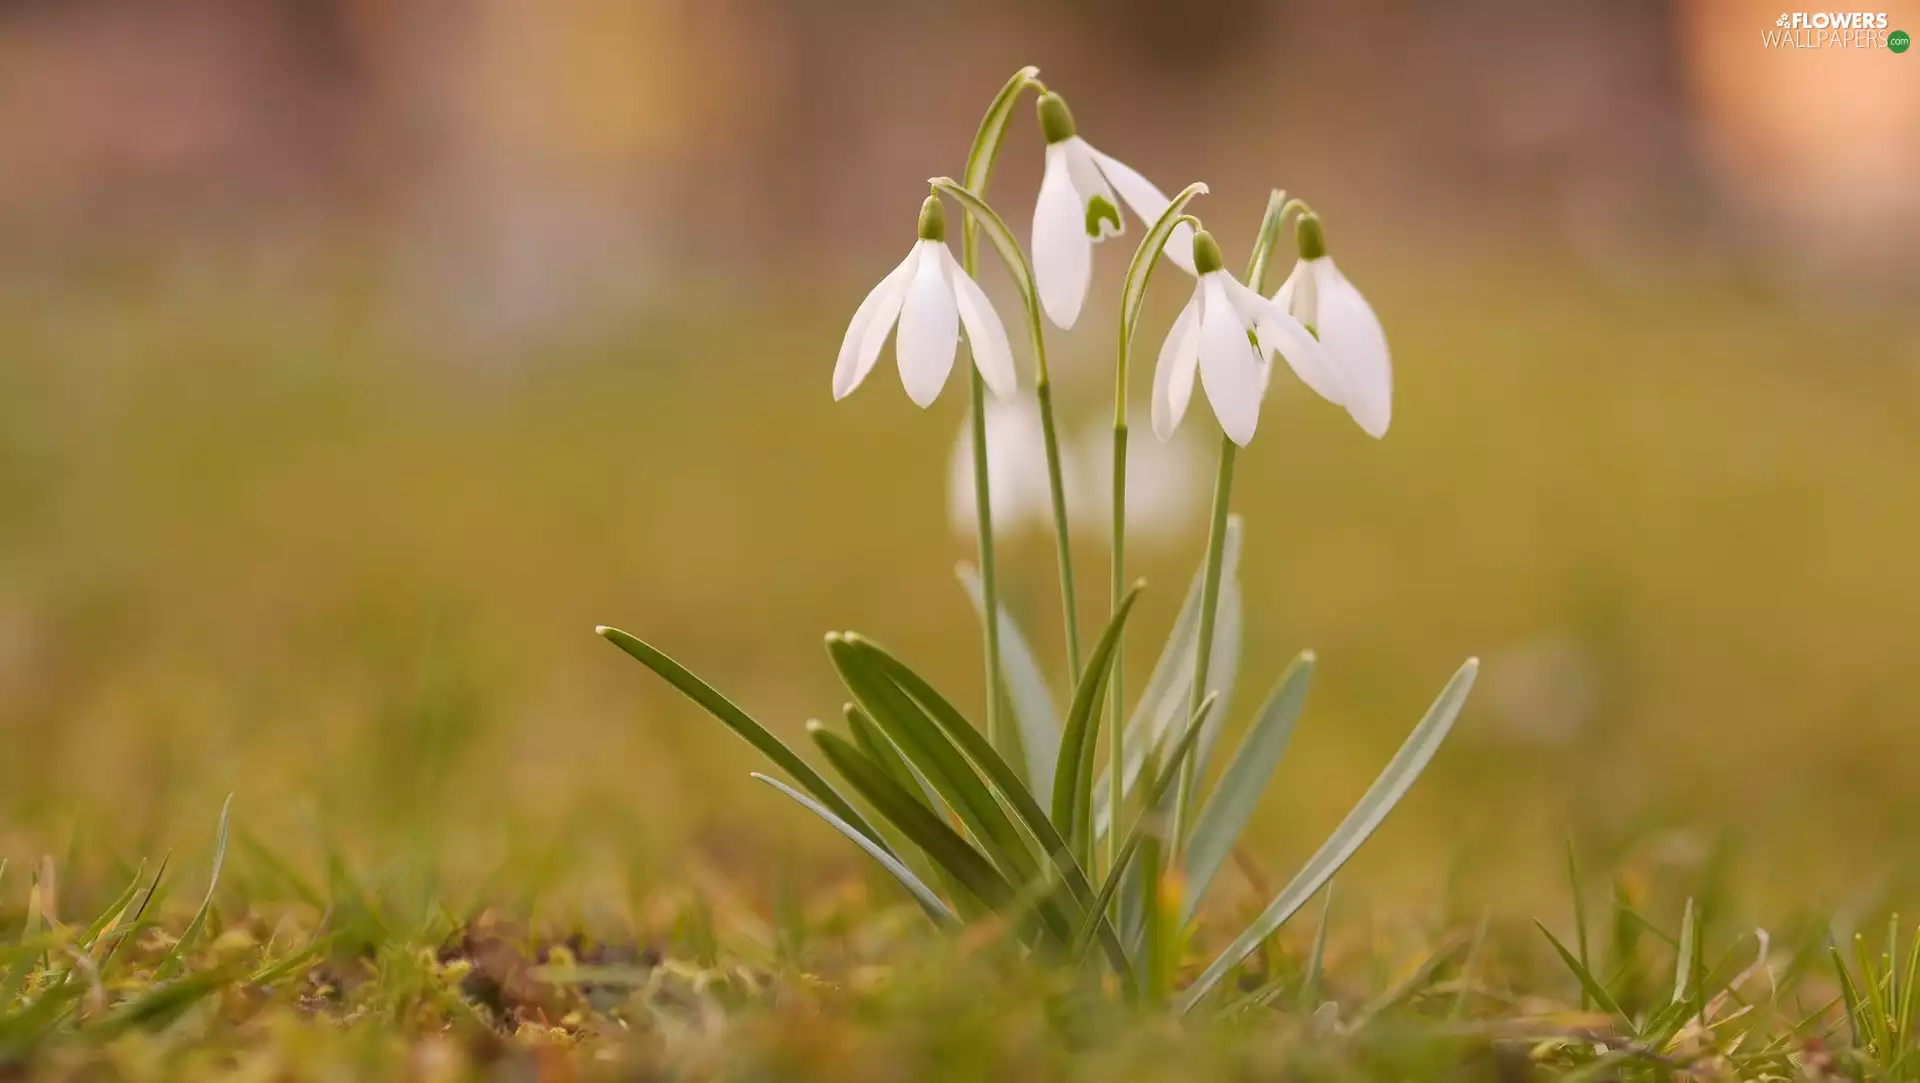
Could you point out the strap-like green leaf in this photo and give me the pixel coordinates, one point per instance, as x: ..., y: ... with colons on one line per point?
x: 1379, y: 800
x: 743, y: 724
x: 880, y: 749
x: 1073, y: 776
x: 1164, y: 699
x: 923, y: 894
x: 921, y: 742
x: 1033, y: 706
x: 969, y: 740
x: 1232, y: 802
x: 941, y: 843
x: 1157, y: 788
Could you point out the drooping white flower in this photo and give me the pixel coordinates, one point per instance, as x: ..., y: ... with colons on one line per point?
x: 1229, y: 333
x: 1016, y: 471
x: 1355, y: 346
x: 931, y: 298
x: 1077, y: 207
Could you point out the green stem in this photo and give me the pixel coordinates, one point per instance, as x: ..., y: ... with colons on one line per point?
x: 989, y: 577
x: 980, y: 160
x: 1277, y: 208
x: 1209, y: 609
x: 1043, y: 388
x: 1116, y: 727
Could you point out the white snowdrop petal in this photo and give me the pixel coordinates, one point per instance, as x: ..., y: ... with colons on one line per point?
x: 1084, y: 171
x: 1280, y: 333
x: 1173, y: 373
x: 1353, y: 339
x: 1229, y: 364
x: 867, y: 332
x: 1062, y: 251
x: 1149, y: 203
x: 929, y: 328
x: 986, y: 336
x: 1296, y: 294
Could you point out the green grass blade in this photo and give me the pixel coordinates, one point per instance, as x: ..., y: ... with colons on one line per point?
x: 1073, y: 777
x: 1232, y: 802
x: 1684, y: 961
x: 1317, y: 955
x: 743, y: 724
x: 924, y: 895
x: 171, y: 964
x: 1123, y: 858
x: 1594, y: 989
x: 1033, y: 707
x: 1579, y: 914
x: 109, y: 917
x: 942, y: 844
x: 1379, y: 800
x: 1849, y: 994
x: 1164, y: 699
x: 1009, y: 785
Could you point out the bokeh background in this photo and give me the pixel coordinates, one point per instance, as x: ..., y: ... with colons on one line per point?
x: 356, y: 359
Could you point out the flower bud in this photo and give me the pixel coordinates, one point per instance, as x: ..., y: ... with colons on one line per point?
x: 1056, y: 123
x: 933, y: 220
x: 1206, y: 253
x: 1310, y: 237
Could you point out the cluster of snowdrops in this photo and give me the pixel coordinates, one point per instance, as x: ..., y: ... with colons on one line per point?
x: 1017, y: 819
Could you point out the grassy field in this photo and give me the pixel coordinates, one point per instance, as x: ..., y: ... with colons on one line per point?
x: 289, y: 550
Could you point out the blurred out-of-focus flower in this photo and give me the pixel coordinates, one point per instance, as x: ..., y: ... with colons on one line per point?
x: 1077, y: 207
x: 1168, y: 484
x: 1016, y: 471
x: 1351, y: 339
x: 931, y: 298
x: 1229, y: 334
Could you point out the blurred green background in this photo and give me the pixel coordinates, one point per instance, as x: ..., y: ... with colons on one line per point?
x: 354, y: 364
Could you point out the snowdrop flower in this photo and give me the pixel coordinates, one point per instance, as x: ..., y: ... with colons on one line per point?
x: 1322, y: 299
x: 1168, y: 487
x: 1077, y: 208
x: 931, y: 298
x: 1229, y: 333
x: 1016, y: 471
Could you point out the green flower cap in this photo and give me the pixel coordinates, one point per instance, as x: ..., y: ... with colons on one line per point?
x: 933, y: 220
x: 1056, y: 122
x: 1206, y: 253
x: 1310, y: 237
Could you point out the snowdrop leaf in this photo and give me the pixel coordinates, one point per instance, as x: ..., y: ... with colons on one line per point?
x: 924, y: 746
x: 924, y: 895
x: 1164, y: 699
x: 942, y: 844
x: 744, y: 725
x: 1232, y: 802
x: 1157, y: 789
x: 1073, y: 776
x: 1033, y: 707
x: 1004, y: 779
x: 1374, y: 805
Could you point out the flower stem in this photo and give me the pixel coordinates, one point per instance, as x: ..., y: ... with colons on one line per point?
x: 1209, y: 609
x: 1116, y: 722
x: 980, y: 159
x: 1277, y: 207
x: 1043, y: 388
